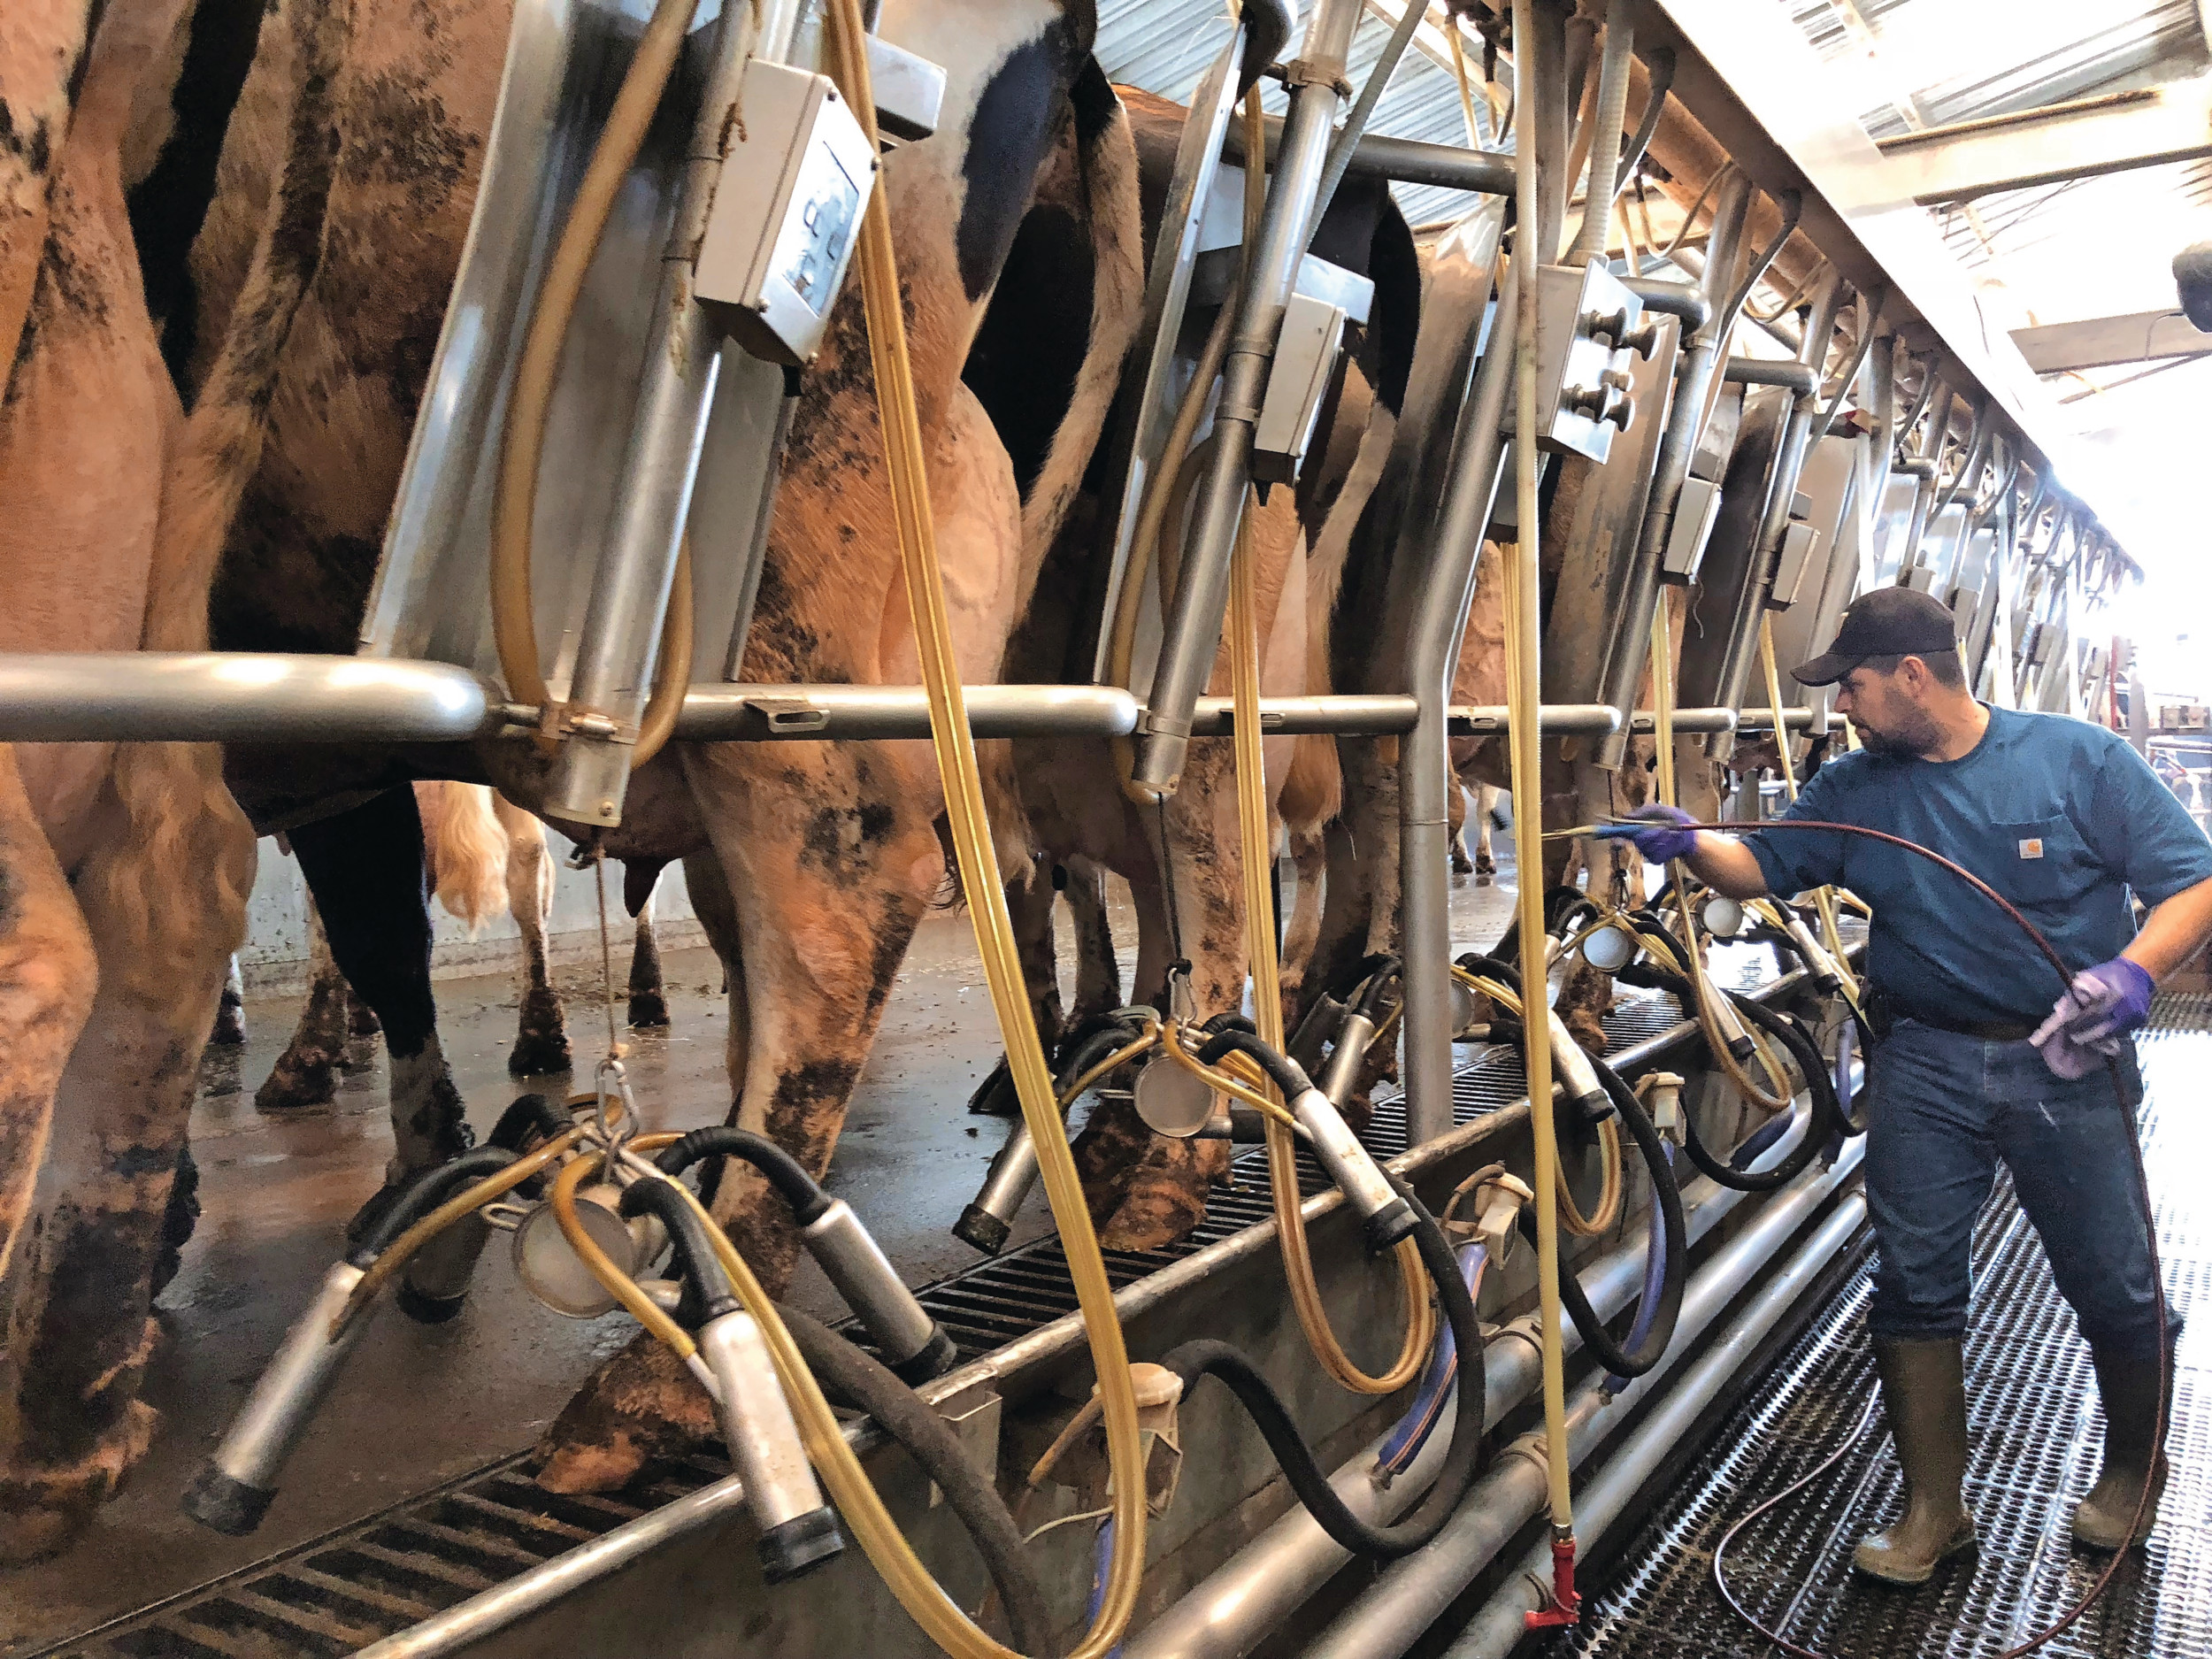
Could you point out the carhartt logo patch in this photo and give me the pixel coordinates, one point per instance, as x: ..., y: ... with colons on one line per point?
x: 2031, y: 848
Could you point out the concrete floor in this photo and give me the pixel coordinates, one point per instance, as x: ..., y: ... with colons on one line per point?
x: 418, y: 1406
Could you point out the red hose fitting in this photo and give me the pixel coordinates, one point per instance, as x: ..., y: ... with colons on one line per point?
x: 1566, y: 1602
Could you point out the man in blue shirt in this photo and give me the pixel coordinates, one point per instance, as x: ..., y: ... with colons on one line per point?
x: 2071, y: 824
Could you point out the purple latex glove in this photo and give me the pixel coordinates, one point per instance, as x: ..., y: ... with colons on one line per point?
x: 2103, y: 1004
x: 1660, y: 837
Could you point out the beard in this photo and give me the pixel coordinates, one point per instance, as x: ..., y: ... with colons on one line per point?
x: 1915, y: 733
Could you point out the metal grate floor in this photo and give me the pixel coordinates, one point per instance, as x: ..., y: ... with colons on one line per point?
x: 2037, y: 1436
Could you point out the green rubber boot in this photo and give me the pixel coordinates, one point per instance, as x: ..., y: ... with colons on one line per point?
x: 2133, y: 1438
x: 1923, y: 1395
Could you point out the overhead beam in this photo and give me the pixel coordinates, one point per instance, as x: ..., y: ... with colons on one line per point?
x: 2113, y: 132
x: 2099, y: 343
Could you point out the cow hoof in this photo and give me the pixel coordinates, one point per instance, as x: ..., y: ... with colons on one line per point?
x: 994, y: 1096
x: 540, y: 1054
x: 297, y: 1084
x: 1461, y: 864
x: 361, y: 1019
x: 42, y: 1511
x: 1165, y: 1200
x: 641, y: 1405
x: 648, y: 1010
x: 230, y: 1025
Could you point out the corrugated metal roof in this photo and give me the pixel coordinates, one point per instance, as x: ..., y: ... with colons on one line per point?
x: 1165, y: 46
x: 2093, y: 247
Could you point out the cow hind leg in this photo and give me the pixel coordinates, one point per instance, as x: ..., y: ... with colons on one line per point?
x: 47, y: 978
x: 1310, y: 857
x: 1457, y: 828
x: 230, y: 1010
x: 541, y: 1032
x: 78, y: 1331
x: 365, y: 869
x: 1097, y: 970
x: 306, y: 1074
x: 1146, y: 1190
x: 830, y: 864
x: 1029, y: 907
x: 648, y: 996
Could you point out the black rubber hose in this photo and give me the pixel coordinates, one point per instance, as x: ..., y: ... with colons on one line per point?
x: 1228, y: 1019
x: 1207, y: 1357
x: 1824, y: 1114
x: 856, y: 1378
x: 784, y: 1172
x: 1288, y: 1075
x: 1350, y: 979
x: 424, y: 1193
x: 1121, y: 1024
x: 1091, y: 1050
x: 707, y: 1293
x: 1675, y: 1240
x: 530, y: 1113
x: 1388, y: 971
x: 1493, y: 966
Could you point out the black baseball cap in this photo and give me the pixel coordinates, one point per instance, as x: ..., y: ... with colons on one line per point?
x: 1888, y: 622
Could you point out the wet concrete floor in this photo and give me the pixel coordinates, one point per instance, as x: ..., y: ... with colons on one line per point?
x: 420, y: 1405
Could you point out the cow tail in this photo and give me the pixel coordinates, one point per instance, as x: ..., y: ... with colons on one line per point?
x: 469, y: 865
x: 1106, y: 156
x: 169, y: 791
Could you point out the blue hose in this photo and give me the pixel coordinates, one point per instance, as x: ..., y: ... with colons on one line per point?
x: 1654, y: 1283
x: 1101, y: 1560
x: 1421, y: 1419
x: 1757, y: 1141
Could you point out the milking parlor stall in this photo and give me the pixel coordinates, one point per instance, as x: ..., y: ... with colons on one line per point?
x: 872, y: 827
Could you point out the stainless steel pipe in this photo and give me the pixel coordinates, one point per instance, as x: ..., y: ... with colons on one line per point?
x: 224, y: 697
x: 1402, y: 161
x: 1498, y: 1628
x: 713, y: 714
x: 1799, y: 377
x: 1411, y: 1595
x: 620, y: 636
x: 1789, y: 463
x: 1234, y: 1607
x: 1192, y: 638
x: 1438, y: 625
x: 1695, y: 390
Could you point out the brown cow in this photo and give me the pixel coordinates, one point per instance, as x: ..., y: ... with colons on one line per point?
x: 117, y: 504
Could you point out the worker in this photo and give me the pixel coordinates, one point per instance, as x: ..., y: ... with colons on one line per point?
x: 1973, y: 1063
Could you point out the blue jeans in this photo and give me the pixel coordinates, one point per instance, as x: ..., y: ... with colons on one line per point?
x: 1945, y: 1109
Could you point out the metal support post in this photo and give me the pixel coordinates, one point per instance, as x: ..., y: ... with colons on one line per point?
x: 1696, y: 389
x: 1193, y: 635
x: 1789, y: 461
x: 621, y: 632
x: 1439, y: 624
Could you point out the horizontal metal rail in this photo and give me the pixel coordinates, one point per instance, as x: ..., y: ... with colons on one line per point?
x: 237, y: 697
x: 1402, y: 160
x: 273, y: 697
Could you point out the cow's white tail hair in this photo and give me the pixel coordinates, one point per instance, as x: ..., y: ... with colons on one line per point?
x: 468, y: 852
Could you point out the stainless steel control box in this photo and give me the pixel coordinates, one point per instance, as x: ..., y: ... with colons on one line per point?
x: 786, y: 213
x: 1587, y: 326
